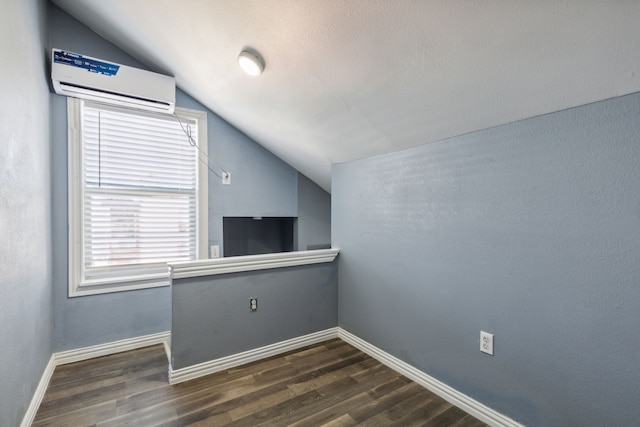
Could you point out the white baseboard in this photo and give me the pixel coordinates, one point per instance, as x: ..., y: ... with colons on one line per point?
x: 462, y: 401
x: 39, y: 393
x: 78, y: 354
x: 227, y: 362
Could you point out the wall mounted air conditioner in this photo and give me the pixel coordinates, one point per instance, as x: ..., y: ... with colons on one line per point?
x: 85, y: 77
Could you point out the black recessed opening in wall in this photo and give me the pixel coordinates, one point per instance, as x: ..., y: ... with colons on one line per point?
x: 257, y: 235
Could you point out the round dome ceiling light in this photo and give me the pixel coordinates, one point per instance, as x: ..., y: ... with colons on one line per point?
x: 251, y: 63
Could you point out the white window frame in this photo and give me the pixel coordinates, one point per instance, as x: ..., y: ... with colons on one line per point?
x: 136, y: 277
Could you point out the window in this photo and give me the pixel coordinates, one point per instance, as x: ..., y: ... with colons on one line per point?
x: 137, y: 195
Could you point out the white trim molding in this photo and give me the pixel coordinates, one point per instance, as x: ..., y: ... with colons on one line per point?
x: 78, y: 354
x: 237, y: 264
x: 195, y: 371
x: 36, y: 400
x: 451, y: 395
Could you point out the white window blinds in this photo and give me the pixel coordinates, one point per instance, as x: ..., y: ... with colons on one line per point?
x: 140, y: 189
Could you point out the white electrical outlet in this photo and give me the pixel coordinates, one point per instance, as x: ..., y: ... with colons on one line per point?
x: 215, y: 251
x: 226, y: 178
x: 486, y: 342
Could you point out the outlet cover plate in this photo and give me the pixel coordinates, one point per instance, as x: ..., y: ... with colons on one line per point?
x: 215, y: 251
x: 486, y: 342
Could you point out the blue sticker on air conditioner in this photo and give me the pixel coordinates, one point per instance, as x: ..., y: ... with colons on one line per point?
x: 89, y: 64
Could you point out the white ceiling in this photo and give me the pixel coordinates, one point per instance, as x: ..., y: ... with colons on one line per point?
x: 347, y: 79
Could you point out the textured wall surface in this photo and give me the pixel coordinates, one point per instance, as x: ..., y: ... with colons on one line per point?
x: 211, y: 316
x: 314, y: 214
x: 261, y: 184
x: 529, y: 231
x: 26, y: 324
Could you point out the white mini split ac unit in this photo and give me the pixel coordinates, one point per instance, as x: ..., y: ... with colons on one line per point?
x: 85, y: 77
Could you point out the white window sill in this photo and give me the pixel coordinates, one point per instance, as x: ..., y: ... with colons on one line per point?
x: 119, y: 284
x: 182, y: 270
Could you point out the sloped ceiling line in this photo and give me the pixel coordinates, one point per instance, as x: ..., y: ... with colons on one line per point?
x: 344, y: 81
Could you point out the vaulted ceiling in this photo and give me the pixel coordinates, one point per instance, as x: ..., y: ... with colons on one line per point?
x: 348, y: 79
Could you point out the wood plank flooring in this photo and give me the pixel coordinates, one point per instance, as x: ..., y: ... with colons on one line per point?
x: 329, y: 384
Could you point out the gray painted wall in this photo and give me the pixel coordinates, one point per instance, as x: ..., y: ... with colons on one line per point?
x: 211, y: 316
x: 261, y: 184
x: 314, y: 215
x: 26, y: 329
x: 530, y: 231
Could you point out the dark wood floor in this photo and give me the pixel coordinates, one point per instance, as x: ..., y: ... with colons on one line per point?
x: 329, y: 384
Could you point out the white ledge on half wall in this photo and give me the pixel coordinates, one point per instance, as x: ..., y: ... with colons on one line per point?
x: 237, y: 264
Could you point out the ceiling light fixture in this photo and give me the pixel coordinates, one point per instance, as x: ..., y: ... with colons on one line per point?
x: 251, y: 63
